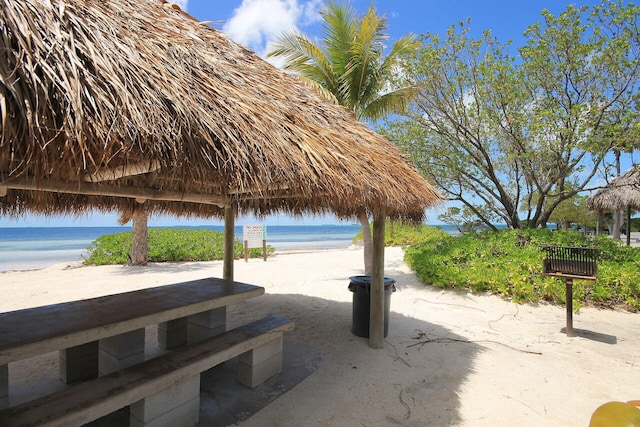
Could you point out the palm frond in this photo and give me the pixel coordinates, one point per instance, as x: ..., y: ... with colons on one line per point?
x: 401, y: 48
x: 354, y: 47
x: 303, y: 56
x: 381, y: 87
x: 340, y: 28
x: 388, y: 103
x: 366, y: 56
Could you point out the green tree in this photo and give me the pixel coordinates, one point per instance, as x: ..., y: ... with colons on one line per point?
x: 349, y: 66
x: 594, y: 71
x: 502, y: 132
x: 466, y: 220
x: 573, y: 211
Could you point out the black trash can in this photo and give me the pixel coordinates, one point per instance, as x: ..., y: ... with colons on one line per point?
x: 361, y: 288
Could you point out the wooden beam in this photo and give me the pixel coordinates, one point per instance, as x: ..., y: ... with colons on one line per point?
x: 272, y: 187
x: 110, y: 174
x: 229, y: 240
x: 91, y: 189
x: 276, y: 196
x: 376, y: 313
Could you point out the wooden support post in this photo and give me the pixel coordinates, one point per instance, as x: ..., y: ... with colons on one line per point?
x: 229, y: 239
x: 628, y: 226
x: 264, y: 250
x: 376, y: 316
x: 569, y: 298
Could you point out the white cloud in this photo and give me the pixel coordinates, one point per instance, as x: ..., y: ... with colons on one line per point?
x: 181, y: 3
x: 257, y: 23
x: 311, y: 13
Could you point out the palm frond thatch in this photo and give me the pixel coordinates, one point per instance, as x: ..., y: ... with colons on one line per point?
x: 622, y: 193
x: 104, y: 102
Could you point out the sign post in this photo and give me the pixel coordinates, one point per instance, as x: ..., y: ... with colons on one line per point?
x: 254, y: 236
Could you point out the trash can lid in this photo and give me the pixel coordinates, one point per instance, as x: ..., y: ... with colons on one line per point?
x: 366, y: 280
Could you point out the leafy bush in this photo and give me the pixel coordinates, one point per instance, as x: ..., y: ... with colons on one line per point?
x: 402, y: 234
x: 509, y: 263
x: 167, y: 245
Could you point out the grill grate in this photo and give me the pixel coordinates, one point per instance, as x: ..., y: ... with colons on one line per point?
x: 572, y: 261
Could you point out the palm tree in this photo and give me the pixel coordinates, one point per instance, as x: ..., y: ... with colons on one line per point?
x: 138, y: 216
x: 350, y: 68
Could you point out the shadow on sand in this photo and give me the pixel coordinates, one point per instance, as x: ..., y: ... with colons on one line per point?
x: 426, y: 377
x: 337, y: 375
x: 593, y: 336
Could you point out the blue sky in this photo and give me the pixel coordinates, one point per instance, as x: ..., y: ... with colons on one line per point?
x: 255, y: 23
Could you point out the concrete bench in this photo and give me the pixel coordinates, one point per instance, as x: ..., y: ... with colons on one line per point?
x: 105, y: 334
x: 164, y: 391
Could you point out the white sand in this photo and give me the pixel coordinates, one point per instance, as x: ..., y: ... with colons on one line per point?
x: 451, y: 358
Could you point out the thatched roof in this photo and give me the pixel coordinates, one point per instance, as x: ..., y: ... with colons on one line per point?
x: 622, y: 193
x: 102, y: 102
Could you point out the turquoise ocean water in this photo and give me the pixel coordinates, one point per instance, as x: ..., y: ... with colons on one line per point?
x: 27, y: 248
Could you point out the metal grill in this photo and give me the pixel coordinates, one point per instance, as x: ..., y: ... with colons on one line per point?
x: 571, y: 261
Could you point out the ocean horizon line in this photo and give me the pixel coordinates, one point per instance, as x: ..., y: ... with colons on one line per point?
x: 181, y: 226
x: 28, y: 248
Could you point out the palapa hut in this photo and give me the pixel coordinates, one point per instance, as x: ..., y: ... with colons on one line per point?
x: 109, y: 104
x: 623, y: 193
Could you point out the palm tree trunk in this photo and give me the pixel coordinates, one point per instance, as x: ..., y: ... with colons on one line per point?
x: 368, y: 243
x: 139, y: 246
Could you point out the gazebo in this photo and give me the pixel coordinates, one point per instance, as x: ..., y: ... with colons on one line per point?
x: 111, y: 105
x: 623, y: 193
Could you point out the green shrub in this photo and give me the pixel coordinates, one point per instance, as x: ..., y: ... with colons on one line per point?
x: 509, y: 263
x: 167, y: 245
x: 403, y: 234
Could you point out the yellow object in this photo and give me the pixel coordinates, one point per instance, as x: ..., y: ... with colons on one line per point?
x: 617, y: 414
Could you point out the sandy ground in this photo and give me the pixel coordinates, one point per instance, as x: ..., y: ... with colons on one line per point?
x: 451, y: 358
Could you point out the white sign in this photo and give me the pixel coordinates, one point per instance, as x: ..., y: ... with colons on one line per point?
x: 254, y: 235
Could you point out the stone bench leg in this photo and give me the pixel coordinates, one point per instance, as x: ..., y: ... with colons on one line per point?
x: 194, y: 328
x: 178, y: 405
x: 173, y: 333
x: 79, y: 363
x: 258, y: 365
x: 121, y: 351
x: 207, y: 324
x: 4, y: 386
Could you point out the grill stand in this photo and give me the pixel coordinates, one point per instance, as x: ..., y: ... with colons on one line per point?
x: 570, y: 263
x: 569, y: 304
